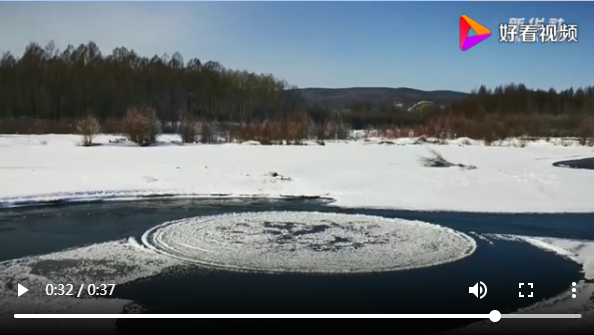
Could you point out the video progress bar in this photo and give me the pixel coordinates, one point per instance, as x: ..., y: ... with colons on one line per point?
x: 494, y: 316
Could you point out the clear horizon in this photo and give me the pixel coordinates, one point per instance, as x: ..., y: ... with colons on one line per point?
x: 322, y: 44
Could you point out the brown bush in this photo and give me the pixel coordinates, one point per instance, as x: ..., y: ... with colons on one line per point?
x: 493, y: 127
x: 296, y: 129
x: 242, y: 132
x: 268, y: 132
x: 271, y: 132
x: 189, y: 128
x: 88, y: 127
x: 586, y: 132
x: 207, y: 132
x: 321, y: 132
x: 141, y: 125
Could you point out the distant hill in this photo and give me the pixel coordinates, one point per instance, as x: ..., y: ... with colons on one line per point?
x: 343, y: 97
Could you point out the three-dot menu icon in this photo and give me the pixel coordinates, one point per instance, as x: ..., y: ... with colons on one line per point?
x: 573, y: 289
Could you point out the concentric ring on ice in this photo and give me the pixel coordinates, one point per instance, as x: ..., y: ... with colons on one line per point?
x: 311, y: 242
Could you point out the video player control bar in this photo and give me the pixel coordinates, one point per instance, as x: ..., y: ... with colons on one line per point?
x: 494, y: 316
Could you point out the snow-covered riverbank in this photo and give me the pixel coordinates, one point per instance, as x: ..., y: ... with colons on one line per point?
x: 355, y: 173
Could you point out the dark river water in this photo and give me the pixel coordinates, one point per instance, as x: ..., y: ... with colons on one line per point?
x: 501, y: 265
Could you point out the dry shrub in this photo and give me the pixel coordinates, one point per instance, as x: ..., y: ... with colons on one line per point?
x: 586, y: 132
x: 321, y: 133
x: 88, y: 127
x: 296, y: 129
x: 293, y: 130
x: 421, y: 140
x: 141, y: 125
x: 437, y: 160
x: 207, y: 132
x: 270, y: 132
x: 566, y: 142
x: 228, y: 135
x: 369, y: 132
x: 493, y: 127
x: 189, y: 128
x: 389, y: 133
x: 336, y: 128
x: 243, y: 132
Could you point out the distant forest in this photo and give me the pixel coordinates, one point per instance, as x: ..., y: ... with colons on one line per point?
x: 59, y: 87
x: 47, y: 83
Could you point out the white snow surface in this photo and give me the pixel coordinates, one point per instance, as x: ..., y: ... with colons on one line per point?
x: 308, y: 242
x: 354, y: 173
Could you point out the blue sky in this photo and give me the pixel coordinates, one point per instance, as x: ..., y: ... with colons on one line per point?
x: 323, y: 44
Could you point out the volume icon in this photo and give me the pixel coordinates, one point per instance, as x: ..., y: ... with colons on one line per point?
x: 479, y: 290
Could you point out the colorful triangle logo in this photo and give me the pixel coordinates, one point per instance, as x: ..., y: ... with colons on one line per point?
x: 467, y: 42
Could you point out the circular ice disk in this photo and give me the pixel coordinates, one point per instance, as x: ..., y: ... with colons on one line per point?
x: 308, y: 242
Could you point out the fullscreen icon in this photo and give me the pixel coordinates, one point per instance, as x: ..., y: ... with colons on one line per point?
x: 531, y: 292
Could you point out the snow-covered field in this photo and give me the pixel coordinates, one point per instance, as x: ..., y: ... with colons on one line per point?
x: 507, y: 179
x: 354, y: 174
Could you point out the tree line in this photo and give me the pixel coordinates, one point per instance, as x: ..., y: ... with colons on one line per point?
x: 56, y: 87
x: 45, y: 83
x: 514, y: 110
x: 518, y: 99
